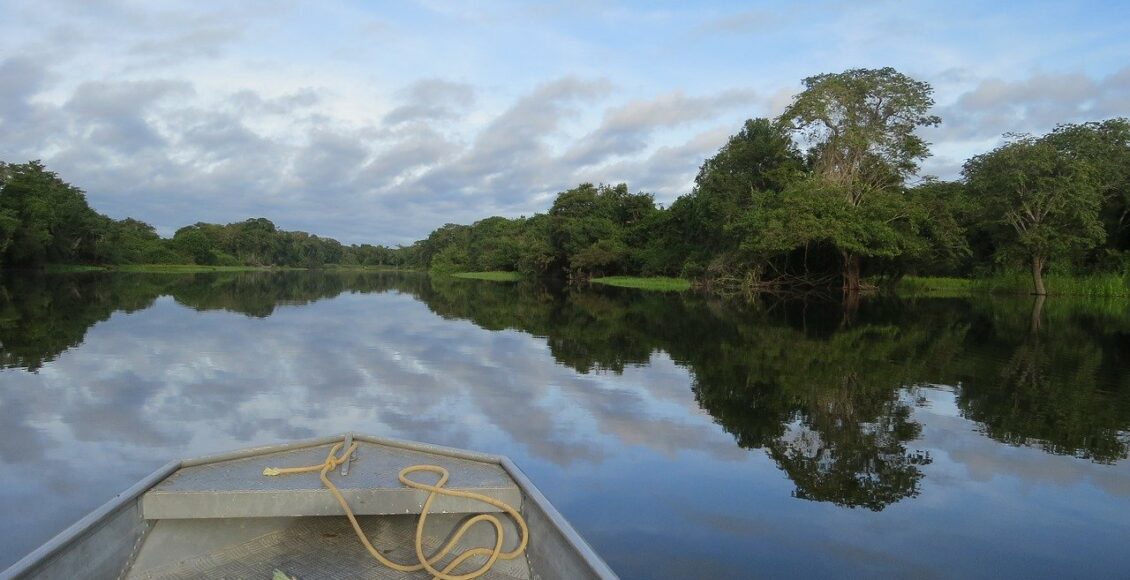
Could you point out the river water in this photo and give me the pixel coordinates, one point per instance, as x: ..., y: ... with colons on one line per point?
x: 684, y: 437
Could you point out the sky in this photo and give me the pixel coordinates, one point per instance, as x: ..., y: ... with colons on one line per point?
x: 380, y: 121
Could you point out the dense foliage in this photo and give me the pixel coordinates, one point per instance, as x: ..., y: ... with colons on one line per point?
x: 829, y: 193
x: 44, y: 220
x: 825, y: 195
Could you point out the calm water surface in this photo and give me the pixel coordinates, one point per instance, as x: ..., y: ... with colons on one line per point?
x: 682, y: 437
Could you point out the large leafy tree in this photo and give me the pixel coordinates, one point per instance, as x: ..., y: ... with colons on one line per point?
x: 589, y: 228
x: 759, y: 158
x: 1047, y: 201
x: 43, y: 218
x: 859, y: 129
x: 1105, y: 147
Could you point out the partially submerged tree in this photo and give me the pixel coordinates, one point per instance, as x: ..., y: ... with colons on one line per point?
x: 859, y: 127
x: 1046, y: 199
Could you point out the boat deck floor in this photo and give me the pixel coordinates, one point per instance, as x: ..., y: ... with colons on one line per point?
x: 308, y: 548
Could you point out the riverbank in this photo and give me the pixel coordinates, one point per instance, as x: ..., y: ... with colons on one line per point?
x: 657, y: 283
x: 1096, y: 285
x: 495, y: 276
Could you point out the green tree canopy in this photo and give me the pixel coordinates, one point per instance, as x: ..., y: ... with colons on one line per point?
x: 42, y: 218
x: 859, y: 129
x: 759, y: 158
x: 1045, y: 199
x: 1105, y: 147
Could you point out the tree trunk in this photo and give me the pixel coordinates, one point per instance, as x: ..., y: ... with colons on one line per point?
x: 851, y: 274
x: 1038, y: 275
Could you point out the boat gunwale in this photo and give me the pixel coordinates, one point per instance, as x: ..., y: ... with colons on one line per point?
x: 88, y: 523
x: 595, y: 562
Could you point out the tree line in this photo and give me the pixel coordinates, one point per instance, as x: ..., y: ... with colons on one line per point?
x: 829, y: 193
x: 45, y: 220
x: 826, y: 194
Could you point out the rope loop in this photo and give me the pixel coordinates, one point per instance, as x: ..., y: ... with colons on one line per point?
x: 425, y: 562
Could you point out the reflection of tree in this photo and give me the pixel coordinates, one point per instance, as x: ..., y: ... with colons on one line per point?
x: 825, y: 395
x: 864, y: 464
x: 43, y: 315
x: 585, y: 331
x: 258, y: 293
x: 832, y: 417
x: 1058, y: 388
x: 823, y: 391
x: 825, y: 406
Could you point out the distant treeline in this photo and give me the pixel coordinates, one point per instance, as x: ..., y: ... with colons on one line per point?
x: 44, y: 220
x: 826, y: 194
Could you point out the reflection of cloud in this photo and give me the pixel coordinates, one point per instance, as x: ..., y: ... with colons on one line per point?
x: 171, y: 382
x: 962, y: 454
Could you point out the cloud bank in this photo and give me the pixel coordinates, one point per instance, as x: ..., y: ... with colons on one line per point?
x: 379, y: 124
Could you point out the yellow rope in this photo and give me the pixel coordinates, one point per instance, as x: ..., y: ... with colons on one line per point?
x: 425, y: 562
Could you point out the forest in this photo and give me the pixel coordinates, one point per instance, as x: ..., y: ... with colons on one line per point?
x: 827, y: 195
x: 44, y: 220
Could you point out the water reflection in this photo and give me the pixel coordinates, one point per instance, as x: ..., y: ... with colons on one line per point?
x: 848, y: 408
x: 1063, y: 384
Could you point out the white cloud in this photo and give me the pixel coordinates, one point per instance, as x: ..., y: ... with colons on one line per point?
x: 324, y: 121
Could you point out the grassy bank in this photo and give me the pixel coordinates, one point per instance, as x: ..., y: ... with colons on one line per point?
x: 934, y: 286
x: 491, y: 276
x: 659, y: 283
x: 1112, y: 285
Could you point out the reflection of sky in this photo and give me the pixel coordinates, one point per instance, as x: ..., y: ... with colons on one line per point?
x: 631, y: 460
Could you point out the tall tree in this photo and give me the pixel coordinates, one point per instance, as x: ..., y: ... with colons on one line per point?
x: 43, y: 218
x: 1046, y: 199
x: 759, y: 158
x: 859, y: 126
x: 1105, y: 146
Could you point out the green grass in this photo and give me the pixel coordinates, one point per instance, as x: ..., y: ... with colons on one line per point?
x: 658, y: 283
x: 1056, y: 284
x: 491, y: 276
x: 1018, y: 283
x: 934, y: 286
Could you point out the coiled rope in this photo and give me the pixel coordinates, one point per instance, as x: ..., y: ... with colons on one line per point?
x: 425, y: 562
